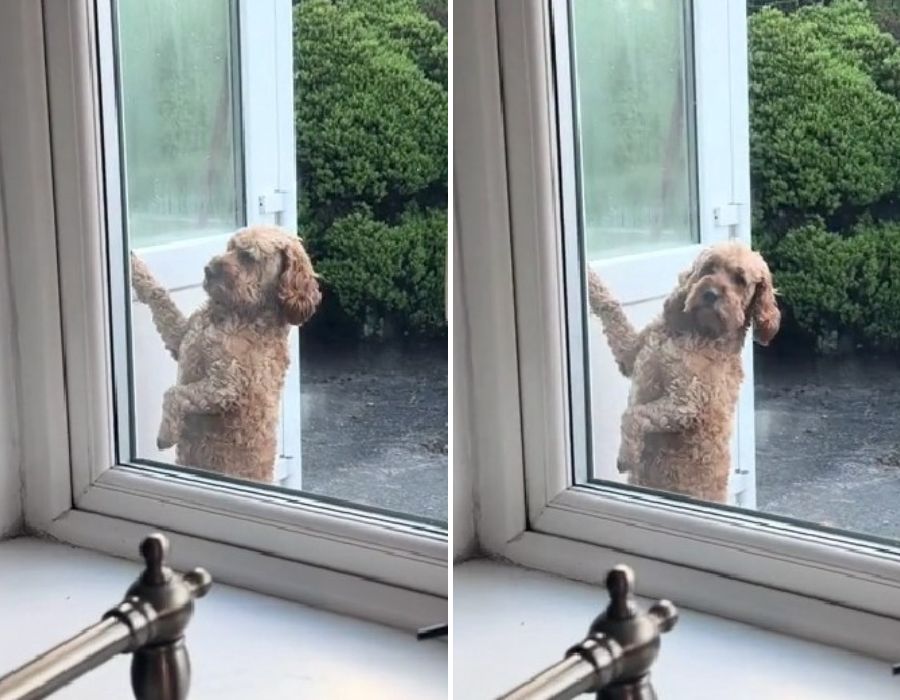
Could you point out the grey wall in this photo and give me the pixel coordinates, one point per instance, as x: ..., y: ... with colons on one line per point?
x: 17, y: 163
x: 463, y: 468
x: 10, y: 482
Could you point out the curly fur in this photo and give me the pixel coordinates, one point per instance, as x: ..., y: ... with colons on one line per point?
x: 232, y: 353
x: 686, y: 369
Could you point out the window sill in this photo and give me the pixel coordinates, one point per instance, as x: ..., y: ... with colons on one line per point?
x: 242, y: 644
x: 704, y: 658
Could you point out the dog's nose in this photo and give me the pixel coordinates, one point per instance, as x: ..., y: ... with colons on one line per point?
x: 710, y: 296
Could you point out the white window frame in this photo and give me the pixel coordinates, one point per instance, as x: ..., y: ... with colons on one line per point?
x: 811, y: 583
x: 377, y: 567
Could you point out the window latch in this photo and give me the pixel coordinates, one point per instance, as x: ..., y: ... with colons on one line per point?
x: 272, y: 202
x: 727, y: 215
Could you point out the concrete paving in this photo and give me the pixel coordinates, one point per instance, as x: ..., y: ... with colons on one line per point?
x: 828, y: 441
x: 375, y: 425
x: 827, y: 433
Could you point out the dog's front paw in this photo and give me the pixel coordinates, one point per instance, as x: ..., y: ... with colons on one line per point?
x: 622, y: 467
x: 599, y: 297
x: 631, y: 447
x: 170, y: 425
x: 141, y: 279
x: 168, y: 435
x: 628, y: 460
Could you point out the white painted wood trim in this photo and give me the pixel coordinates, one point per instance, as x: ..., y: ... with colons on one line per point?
x: 388, y: 550
x: 75, y: 135
x: 704, y: 590
x: 752, y: 548
x: 259, y: 571
x: 175, y: 265
x: 537, y: 255
x: 31, y: 229
x: 485, y: 272
x: 630, y: 276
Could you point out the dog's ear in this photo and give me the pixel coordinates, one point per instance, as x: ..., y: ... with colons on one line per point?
x: 674, y: 314
x: 764, y: 312
x: 673, y: 307
x: 298, y: 291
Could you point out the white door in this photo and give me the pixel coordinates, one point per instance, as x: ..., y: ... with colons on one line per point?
x: 653, y: 115
x: 211, y: 150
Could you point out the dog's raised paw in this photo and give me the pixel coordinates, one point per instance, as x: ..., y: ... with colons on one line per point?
x: 623, y: 467
x: 163, y: 444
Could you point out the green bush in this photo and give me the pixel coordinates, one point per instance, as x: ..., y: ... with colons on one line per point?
x: 825, y: 123
x: 825, y: 166
x: 887, y: 14
x: 842, y: 285
x: 371, y: 122
x: 849, y: 30
x: 390, y: 274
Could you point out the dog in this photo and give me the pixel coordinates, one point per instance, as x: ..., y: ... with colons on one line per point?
x: 232, y: 353
x: 686, y: 369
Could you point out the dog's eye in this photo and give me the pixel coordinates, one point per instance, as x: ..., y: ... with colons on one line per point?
x: 739, y: 279
x: 245, y: 257
x: 708, y: 269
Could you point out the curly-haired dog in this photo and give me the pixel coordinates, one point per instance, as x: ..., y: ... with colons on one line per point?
x: 686, y: 369
x: 232, y: 353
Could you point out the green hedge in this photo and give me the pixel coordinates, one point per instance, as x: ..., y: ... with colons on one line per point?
x: 387, y: 272
x: 843, y: 285
x: 825, y: 166
x: 371, y: 122
x: 825, y: 125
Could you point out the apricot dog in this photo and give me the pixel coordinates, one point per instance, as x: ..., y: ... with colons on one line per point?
x: 232, y: 353
x: 685, y: 369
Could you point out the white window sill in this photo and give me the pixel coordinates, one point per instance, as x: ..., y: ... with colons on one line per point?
x: 509, y: 623
x: 242, y: 644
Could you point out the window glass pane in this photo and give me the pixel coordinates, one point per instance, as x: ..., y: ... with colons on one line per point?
x: 178, y: 97
x: 335, y: 117
x: 635, y: 134
x: 671, y: 407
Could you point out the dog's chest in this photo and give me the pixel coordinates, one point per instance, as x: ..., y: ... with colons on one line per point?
x: 198, y: 348
x: 262, y: 354
x: 662, y: 359
x: 649, y: 379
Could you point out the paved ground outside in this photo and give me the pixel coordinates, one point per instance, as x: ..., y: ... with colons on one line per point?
x: 375, y: 424
x: 828, y: 441
x: 827, y: 430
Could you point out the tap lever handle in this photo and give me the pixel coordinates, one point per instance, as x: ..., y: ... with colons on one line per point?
x: 665, y: 613
x: 198, y: 582
x: 620, y: 584
x: 154, y: 550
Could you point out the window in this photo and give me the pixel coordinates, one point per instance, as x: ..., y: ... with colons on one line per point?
x: 679, y: 105
x: 186, y: 191
x: 178, y: 72
x: 173, y: 124
x: 635, y: 131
